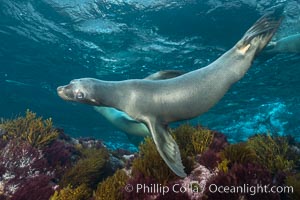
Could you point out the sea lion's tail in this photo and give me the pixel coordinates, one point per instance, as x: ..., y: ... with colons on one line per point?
x: 258, y: 36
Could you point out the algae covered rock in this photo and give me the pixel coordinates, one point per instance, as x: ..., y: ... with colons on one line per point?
x: 37, y: 161
x: 21, y: 164
x: 35, y: 158
x: 39, y: 187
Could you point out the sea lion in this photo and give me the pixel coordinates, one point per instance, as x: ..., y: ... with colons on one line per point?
x: 124, y: 122
x: 289, y: 44
x: 158, y: 103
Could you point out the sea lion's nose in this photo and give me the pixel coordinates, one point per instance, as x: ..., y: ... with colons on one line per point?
x: 60, y: 89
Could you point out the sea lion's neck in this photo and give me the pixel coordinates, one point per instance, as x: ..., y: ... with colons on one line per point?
x: 107, y: 93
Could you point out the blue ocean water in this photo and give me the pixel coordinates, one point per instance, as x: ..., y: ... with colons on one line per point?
x: 47, y: 43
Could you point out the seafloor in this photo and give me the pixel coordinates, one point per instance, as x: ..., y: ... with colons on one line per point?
x: 39, y: 161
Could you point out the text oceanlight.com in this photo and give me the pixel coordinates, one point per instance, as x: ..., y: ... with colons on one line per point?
x: 252, y: 190
x: 195, y: 187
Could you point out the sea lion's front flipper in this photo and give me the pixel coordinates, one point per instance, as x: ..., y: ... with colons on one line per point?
x: 167, y: 147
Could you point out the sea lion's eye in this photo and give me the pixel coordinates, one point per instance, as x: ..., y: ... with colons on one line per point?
x: 79, y: 95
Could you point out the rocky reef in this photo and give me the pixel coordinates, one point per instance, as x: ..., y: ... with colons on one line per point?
x: 39, y: 161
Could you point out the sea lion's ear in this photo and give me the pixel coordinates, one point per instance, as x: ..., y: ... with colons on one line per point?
x: 166, y: 146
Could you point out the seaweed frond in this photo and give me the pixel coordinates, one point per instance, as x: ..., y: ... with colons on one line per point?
x: 223, y: 166
x: 191, y: 142
x: 272, y: 152
x: 33, y: 129
x: 89, y: 170
x: 239, y: 153
x: 293, y: 183
x: 150, y: 163
x: 112, y: 187
x: 81, y: 192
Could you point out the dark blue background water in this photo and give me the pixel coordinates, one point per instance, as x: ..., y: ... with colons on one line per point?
x: 47, y: 43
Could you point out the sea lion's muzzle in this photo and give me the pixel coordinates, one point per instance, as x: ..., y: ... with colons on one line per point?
x: 60, y: 89
x: 65, y: 93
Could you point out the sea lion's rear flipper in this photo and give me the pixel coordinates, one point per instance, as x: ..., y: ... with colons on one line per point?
x: 258, y: 36
x: 166, y: 146
x: 165, y: 74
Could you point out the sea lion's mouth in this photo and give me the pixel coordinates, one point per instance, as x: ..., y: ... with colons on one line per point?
x: 62, y: 94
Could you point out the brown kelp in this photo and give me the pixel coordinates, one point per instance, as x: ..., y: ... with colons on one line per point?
x: 82, y: 192
x: 34, y: 130
x: 272, y: 152
x: 294, y: 181
x: 112, y: 187
x: 150, y: 164
x: 239, y: 153
x: 192, y: 141
x: 89, y: 170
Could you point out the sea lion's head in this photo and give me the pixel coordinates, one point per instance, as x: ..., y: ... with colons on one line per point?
x: 78, y: 90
